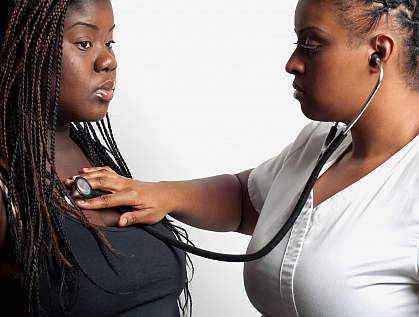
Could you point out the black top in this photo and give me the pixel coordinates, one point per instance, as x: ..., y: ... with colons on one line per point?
x: 147, y: 278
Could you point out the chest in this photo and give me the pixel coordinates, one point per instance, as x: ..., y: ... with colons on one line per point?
x: 342, y: 259
x: 143, y: 277
x: 341, y: 175
x: 69, y: 162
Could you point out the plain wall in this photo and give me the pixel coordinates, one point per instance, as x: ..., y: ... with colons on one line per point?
x: 202, y: 91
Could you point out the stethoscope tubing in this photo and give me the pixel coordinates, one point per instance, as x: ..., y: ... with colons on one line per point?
x: 331, y: 144
x: 276, y: 239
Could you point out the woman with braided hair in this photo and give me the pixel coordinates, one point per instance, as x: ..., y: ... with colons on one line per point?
x: 354, y: 249
x: 57, y: 76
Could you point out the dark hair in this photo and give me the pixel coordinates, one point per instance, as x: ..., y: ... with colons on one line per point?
x: 31, y: 34
x: 362, y: 16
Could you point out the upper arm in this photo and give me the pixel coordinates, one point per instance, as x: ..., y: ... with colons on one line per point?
x: 256, y: 184
x: 261, y: 178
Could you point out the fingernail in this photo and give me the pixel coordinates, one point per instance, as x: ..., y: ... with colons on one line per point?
x: 124, y: 221
x: 81, y: 202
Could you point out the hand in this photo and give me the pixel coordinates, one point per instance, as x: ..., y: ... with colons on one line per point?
x: 148, y: 203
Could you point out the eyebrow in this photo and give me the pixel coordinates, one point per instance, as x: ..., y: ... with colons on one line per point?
x: 311, y: 28
x: 89, y: 25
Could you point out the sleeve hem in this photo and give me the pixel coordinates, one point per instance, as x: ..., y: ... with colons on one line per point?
x: 252, y: 192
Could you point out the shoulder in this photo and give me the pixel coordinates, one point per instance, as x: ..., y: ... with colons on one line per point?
x: 309, y: 141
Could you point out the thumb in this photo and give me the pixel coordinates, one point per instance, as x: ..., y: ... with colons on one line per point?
x: 134, y: 217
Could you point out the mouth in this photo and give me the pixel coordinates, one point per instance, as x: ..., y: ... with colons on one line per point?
x: 299, y: 92
x: 105, y: 91
x: 105, y: 95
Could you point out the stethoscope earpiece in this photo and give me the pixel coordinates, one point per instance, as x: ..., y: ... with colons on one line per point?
x: 375, y: 59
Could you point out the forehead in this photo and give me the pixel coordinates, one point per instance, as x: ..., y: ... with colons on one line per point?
x: 90, y: 10
x: 317, y: 13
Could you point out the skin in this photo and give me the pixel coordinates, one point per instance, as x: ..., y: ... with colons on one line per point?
x: 332, y: 79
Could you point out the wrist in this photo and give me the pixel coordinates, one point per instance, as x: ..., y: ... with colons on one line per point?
x: 173, y: 196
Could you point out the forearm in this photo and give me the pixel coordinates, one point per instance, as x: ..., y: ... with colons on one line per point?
x: 213, y: 203
x: 218, y: 203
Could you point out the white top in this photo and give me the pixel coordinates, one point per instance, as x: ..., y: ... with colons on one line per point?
x: 355, y: 254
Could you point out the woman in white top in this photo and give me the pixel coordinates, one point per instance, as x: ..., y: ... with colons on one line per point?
x: 353, y: 250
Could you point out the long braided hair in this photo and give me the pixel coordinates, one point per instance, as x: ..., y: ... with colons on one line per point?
x: 31, y: 37
x: 362, y: 16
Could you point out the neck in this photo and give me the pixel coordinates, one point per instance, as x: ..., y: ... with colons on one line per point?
x: 390, y: 122
x: 62, y: 136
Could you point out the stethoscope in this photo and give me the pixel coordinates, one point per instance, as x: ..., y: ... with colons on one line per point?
x: 82, y: 188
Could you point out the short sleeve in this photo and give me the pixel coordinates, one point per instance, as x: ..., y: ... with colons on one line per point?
x: 261, y: 178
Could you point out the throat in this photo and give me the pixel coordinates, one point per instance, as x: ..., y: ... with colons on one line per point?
x: 69, y: 158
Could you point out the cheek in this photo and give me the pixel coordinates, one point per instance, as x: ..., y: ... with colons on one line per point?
x: 77, y: 98
x: 337, y: 89
x: 73, y: 80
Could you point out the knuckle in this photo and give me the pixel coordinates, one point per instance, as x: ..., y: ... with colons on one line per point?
x: 100, y: 180
x: 109, y: 170
x: 105, y: 200
x: 134, y: 219
x: 132, y: 193
x: 132, y: 197
x: 102, y: 173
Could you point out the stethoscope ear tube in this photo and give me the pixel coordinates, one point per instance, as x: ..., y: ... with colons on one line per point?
x: 277, y: 238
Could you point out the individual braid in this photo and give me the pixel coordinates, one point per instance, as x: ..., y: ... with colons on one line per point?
x: 409, y: 20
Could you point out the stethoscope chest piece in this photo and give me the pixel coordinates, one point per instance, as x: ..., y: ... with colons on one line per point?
x: 81, y: 188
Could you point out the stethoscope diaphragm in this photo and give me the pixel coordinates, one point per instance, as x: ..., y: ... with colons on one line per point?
x: 83, y: 189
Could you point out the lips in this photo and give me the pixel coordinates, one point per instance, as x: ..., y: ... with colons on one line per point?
x: 299, y: 92
x: 106, y: 90
x: 297, y: 87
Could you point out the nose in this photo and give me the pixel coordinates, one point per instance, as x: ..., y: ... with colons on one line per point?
x: 105, y: 61
x: 295, y: 65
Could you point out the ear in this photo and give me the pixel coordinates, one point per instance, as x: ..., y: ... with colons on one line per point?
x: 383, y: 44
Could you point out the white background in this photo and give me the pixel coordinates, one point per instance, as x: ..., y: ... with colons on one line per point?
x: 202, y: 91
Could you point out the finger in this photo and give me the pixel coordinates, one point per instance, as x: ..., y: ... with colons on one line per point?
x: 104, y: 180
x: 69, y: 182
x: 97, y: 168
x: 138, y: 217
x: 106, y: 183
x: 107, y: 201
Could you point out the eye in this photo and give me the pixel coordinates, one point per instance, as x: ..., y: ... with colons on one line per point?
x: 84, y: 45
x: 109, y: 44
x: 310, y: 49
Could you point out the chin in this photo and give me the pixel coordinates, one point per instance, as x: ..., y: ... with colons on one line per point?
x: 317, y: 113
x: 91, y: 117
x: 97, y: 113
x: 96, y: 118
x: 311, y: 113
